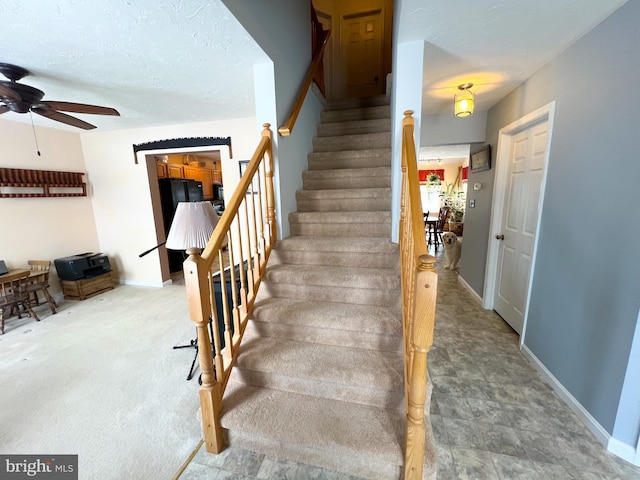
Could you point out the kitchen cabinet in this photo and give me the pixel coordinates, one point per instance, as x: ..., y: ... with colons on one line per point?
x: 206, y: 177
x: 175, y: 171
x: 161, y: 170
x: 190, y: 172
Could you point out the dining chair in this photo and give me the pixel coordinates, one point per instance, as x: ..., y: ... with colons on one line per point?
x: 443, y: 216
x: 429, y: 227
x: 13, y: 295
x: 38, y: 281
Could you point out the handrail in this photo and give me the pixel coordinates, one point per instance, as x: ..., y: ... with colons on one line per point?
x: 248, y: 226
x: 419, y: 289
x: 316, y: 64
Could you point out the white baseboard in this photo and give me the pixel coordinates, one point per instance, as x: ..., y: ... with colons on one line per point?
x: 624, y: 451
x: 591, y: 423
x: 467, y: 287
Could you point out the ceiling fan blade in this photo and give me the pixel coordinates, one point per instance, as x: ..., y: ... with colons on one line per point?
x: 8, y: 93
x: 63, y: 117
x: 80, y: 108
x: 3, y: 109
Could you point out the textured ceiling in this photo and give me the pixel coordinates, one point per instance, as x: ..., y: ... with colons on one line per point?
x: 165, y: 62
x: 495, y: 44
x: 156, y: 61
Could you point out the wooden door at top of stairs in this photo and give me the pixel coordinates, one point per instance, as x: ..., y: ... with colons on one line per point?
x: 526, y: 163
x: 362, y: 53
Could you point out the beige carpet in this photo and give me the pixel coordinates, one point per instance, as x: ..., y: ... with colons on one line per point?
x: 100, y: 379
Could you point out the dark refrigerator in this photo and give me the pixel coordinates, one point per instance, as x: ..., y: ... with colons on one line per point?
x: 172, y: 191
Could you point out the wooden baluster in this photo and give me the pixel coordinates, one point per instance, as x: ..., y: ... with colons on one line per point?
x: 234, y: 290
x: 225, y: 311
x: 243, y: 276
x: 217, y: 345
x: 250, y: 277
x: 197, y: 281
x: 254, y: 233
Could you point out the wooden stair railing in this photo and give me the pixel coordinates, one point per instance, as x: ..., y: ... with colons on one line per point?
x: 314, y: 72
x: 249, y: 227
x: 419, y: 288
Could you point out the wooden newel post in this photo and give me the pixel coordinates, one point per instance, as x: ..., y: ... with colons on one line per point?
x: 271, y: 203
x: 426, y: 287
x: 197, y: 281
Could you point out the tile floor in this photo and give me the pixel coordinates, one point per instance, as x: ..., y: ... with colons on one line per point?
x: 493, y: 417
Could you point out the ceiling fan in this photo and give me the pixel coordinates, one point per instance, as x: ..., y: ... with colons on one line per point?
x: 21, y: 98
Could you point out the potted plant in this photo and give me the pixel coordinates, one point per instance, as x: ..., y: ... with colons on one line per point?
x: 433, y: 179
x: 454, y: 198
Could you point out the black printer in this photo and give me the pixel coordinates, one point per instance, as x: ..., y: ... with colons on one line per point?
x: 82, y: 265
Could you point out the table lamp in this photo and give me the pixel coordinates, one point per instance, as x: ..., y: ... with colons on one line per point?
x: 192, y: 226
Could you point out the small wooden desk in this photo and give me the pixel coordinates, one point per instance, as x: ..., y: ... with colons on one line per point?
x: 14, y: 274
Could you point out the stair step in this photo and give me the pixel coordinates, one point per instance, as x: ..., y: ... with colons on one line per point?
x: 345, y: 115
x: 344, y: 200
x: 341, y: 224
x: 348, y: 325
x: 373, y: 378
x: 336, y: 251
x: 375, y: 125
x: 352, y: 142
x: 351, y: 178
x: 380, y: 157
x: 346, y: 437
x: 337, y: 277
x: 332, y: 284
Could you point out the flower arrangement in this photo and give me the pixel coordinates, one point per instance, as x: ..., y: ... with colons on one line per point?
x: 455, y: 199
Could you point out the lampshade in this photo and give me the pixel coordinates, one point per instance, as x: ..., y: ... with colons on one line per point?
x: 464, y: 101
x: 192, y: 226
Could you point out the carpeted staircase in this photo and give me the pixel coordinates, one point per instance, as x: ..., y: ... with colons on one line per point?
x: 319, y: 379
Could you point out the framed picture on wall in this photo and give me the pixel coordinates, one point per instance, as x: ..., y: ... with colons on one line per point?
x: 255, y: 185
x: 481, y: 160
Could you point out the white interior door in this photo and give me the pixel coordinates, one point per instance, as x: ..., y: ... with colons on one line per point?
x: 525, y: 172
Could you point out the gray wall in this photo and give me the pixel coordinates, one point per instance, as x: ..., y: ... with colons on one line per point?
x: 282, y: 28
x: 476, y: 224
x: 585, y: 293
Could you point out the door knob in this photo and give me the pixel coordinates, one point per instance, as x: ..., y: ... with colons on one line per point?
x: 500, y: 237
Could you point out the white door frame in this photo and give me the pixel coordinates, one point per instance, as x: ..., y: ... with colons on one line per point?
x: 499, y: 192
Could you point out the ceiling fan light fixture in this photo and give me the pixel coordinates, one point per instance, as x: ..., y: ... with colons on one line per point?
x: 464, y: 102
x: 20, y: 98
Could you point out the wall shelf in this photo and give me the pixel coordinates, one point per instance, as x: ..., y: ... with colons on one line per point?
x: 21, y: 183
